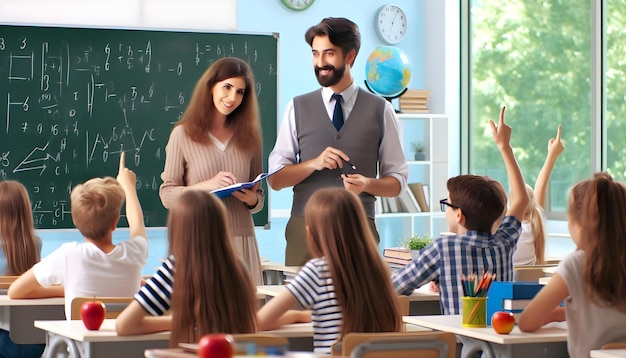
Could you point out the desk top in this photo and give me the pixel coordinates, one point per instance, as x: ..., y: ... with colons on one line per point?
x: 76, y: 330
x: 552, y: 332
x: 299, y: 330
x: 179, y: 353
x: 274, y: 266
x: 608, y: 353
x: 55, y: 301
x: 544, y: 280
x: 421, y: 294
x: 294, y: 330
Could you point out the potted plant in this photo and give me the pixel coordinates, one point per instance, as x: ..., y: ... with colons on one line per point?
x: 418, y: 149
x: 417, y: 242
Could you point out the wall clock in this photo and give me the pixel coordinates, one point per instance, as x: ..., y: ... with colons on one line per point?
x: 391, y: 23
x: 297, y: 5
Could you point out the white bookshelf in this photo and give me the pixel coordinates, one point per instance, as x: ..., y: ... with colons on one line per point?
x: 432, y: 130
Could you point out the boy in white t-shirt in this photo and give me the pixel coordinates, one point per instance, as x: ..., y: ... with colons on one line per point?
x: 96, y: 267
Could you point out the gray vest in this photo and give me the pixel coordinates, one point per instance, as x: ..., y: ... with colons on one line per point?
x: 359, y: 138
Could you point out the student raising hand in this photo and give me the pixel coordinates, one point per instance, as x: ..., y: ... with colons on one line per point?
x: 502, y: 138
x: 134, y: 214
x: 502, y: 131
x: 555, y: 146
x: 125, y: 176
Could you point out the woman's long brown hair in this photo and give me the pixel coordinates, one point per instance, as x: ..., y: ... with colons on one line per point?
x: 598, y: 206
x: 17, y: 229
x: 339, y: 231
x: 244, y: 120
x: 213, y: 292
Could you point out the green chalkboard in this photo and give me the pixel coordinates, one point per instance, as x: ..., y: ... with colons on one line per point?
x: 73, y: 98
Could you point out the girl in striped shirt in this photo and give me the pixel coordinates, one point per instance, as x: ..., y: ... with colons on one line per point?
x: 210, y: 289
x: 346, y: 286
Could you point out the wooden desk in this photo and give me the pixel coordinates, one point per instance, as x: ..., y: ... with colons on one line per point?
x: 422, y: 301
x: 300, y: 335
x: 179, y: 353
x: 608, y: 353
x: 81, y: 342
x: 274, y: 273
x: 18, y: 316
x: 549, y: 341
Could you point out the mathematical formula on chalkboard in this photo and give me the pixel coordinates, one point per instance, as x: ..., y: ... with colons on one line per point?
x: 76, y: 98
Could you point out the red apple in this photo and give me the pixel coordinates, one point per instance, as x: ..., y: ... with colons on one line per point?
x: 92, y: 314
x: 502, y: 322
x: 215, y: 346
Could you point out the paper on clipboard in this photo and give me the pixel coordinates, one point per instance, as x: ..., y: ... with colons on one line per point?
x: 228, y: 190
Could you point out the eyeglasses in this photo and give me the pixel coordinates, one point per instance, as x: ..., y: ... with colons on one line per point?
x: 444, y: 203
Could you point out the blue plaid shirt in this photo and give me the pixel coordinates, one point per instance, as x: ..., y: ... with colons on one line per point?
x: 450, y: 256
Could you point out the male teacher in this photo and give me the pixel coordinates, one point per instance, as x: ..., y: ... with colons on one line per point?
x: 339, y: 135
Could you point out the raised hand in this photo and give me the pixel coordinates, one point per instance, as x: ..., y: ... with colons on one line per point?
x: 125, y: 176
x: 555, y: 146
x: 134, y: 214
x: 501, y: 132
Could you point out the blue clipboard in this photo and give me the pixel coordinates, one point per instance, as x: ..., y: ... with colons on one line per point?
x: 228, y: 190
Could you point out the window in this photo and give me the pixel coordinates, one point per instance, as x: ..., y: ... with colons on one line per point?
x: 535, y: 58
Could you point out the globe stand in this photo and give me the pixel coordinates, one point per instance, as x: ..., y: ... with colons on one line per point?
x: 386, y: 97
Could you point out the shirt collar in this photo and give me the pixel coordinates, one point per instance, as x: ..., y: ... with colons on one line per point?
x: 347, y: 94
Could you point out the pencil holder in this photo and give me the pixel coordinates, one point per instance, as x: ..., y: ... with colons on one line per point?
x: 474, y: 312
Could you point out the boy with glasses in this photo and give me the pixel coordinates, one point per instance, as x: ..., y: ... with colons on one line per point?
x: 473, y: 204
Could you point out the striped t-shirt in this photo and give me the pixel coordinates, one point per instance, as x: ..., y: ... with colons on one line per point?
x: 313, y: 289
x: 156, y: 295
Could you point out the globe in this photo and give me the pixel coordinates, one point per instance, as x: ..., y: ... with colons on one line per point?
x: 387, y: 71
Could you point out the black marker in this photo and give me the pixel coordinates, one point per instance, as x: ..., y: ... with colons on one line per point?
x: 351, y: 165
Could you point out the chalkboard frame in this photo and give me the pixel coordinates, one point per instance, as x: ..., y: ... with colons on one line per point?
x: 62, y: 160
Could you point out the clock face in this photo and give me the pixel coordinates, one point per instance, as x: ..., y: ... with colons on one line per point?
x: 298, y: 5
x: 391, y: 24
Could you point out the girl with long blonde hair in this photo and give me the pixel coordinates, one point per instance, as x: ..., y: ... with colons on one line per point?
x: 531, y: 246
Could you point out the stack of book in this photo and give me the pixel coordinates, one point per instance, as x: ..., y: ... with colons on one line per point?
x: 420, y: 192
x: 397, y: 257
x: 414, y: 199
x: 511, y: 297
x: 415, y: 101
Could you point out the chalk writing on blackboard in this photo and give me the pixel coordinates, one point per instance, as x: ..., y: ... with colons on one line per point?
x: 76, y: 98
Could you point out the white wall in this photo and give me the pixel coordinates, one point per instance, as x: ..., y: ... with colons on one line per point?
x: 442, y: 69
x: 166, y: 14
